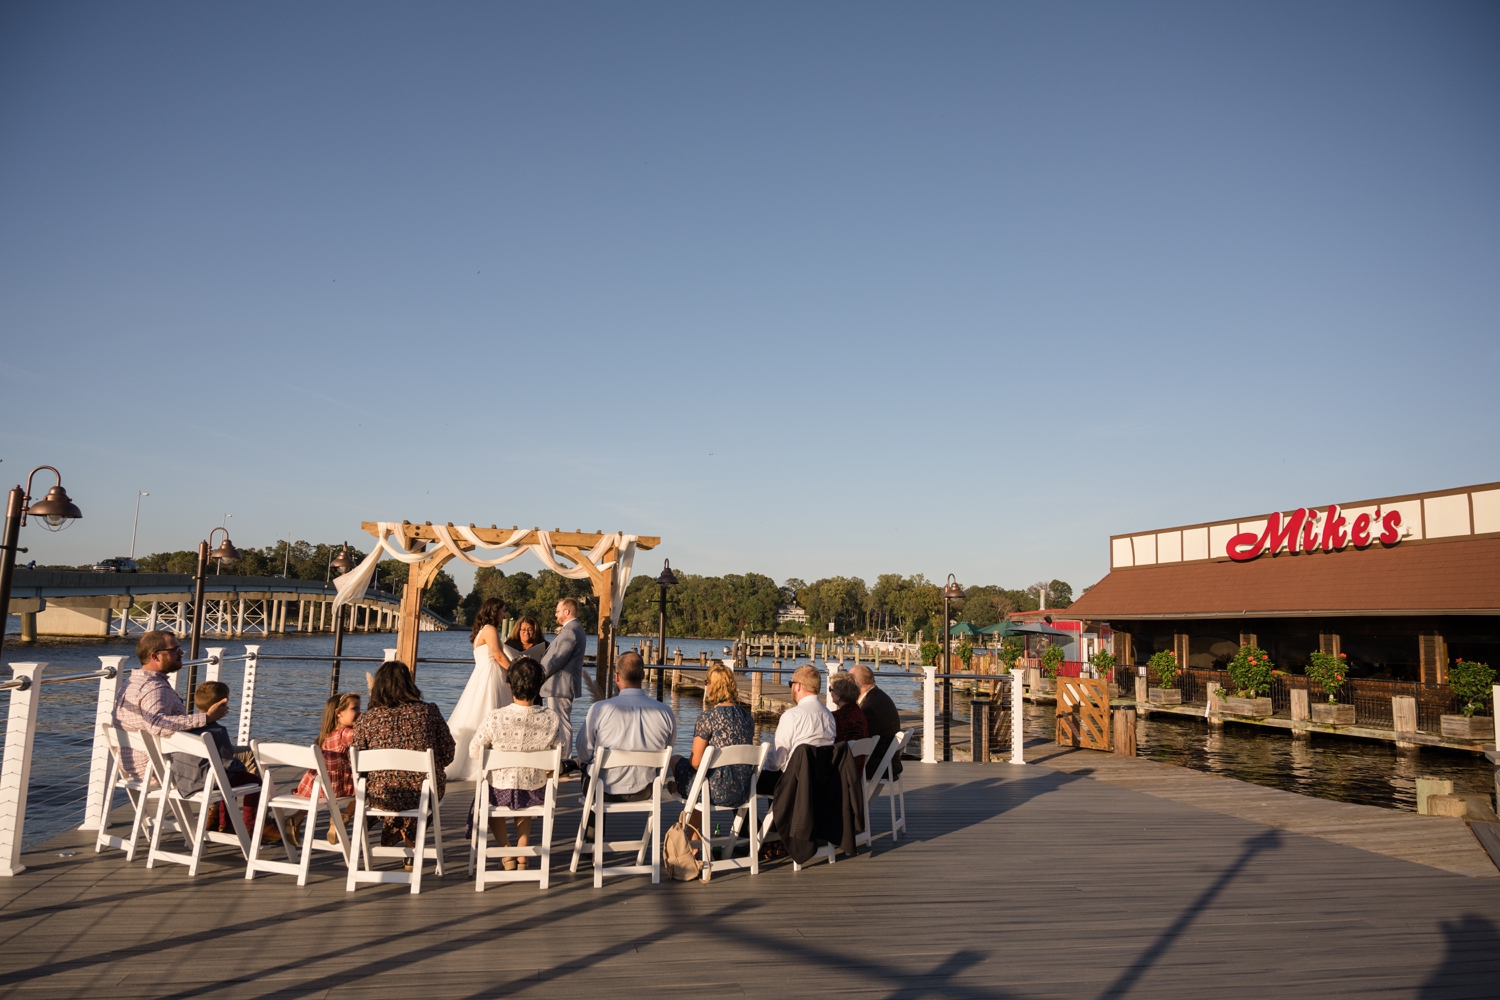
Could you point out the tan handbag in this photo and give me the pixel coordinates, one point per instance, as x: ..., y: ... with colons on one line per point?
x: 679, y: 862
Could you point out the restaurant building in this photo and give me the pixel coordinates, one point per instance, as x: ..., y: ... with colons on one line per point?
x: 1402, y: 586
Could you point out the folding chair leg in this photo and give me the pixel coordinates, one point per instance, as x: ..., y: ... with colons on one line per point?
x: 599, y: 844
x: 583, y: 825
x: 546, y: 848
x: 255, y: 837
x: 361, y: 832
x: 419, y: 854
x: 481, y: 838
x: 437, y: 831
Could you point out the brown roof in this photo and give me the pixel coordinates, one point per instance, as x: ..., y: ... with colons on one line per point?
x: 1433, y: 577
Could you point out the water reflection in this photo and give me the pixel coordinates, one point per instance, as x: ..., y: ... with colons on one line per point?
x: 1329, y: 767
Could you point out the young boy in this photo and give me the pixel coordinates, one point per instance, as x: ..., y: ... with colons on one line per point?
x: 190, y: 774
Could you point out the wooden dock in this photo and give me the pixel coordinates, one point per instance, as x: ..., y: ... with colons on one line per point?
x: 1087, y: 876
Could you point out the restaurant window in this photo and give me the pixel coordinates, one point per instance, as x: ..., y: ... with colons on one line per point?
x: 1289, y: 651
x: 1212, y: 652
x: 1389, y: 657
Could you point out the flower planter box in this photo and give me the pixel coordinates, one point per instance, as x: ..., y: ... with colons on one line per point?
x: 1469, y: 727
x: 1045, y: 685
x: 1165, y: 696
x: 1258, y: 708
x: 1330, y: 714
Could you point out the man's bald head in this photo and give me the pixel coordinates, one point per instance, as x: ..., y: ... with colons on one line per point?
x: 863, y: 676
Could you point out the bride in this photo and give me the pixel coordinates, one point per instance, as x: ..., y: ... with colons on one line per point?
x: 486, y: 691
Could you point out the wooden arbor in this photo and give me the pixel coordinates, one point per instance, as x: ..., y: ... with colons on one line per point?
x: 571, y: 545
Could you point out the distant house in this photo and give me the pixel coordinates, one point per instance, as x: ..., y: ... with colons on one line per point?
x: 791, y: 613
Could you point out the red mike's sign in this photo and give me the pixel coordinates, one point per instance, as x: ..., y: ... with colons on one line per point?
x: 1307, y: 530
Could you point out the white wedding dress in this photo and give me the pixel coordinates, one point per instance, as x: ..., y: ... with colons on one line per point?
x: 486, y: 691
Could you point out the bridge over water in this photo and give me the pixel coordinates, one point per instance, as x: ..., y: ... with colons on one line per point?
x: 81, y: 603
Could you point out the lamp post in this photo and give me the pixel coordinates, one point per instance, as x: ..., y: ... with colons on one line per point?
x: 343, y: 564
x: 667, y: 579
x: 55, y: 510
x: 136, y: 523
x: 952, y: 592
x: 226, y: 550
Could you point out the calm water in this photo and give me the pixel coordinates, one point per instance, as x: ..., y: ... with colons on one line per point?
x: 289, y: 703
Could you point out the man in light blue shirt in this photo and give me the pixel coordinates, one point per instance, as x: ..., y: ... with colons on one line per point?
x: 631, y: 720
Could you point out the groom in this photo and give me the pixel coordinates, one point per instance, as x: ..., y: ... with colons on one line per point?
x: 562, y: 667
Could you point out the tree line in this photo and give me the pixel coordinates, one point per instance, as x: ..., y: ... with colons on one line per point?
x: 708, y: 606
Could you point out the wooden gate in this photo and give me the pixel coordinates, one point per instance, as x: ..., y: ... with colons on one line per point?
x: 1083, y: 713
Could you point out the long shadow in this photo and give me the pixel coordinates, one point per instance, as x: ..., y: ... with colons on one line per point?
x: 1471, y: 962
x: 1127, y: 980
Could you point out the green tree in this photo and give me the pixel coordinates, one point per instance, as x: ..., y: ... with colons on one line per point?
x: 839, y: 599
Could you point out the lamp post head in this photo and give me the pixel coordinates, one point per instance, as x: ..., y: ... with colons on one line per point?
x: 953, y: 592
x: 667, y: 578
x: 55, y: 509
x: 342, y: 562
x: 225, y: 551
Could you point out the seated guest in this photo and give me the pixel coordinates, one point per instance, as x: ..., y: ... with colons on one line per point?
x: 190, y: 773
x: 806, y: 722
x: 527, y: 637
x: 631, y: 720
x: 148, y: 703
x: 399, y: 719
x: 726, y: 724
x: 522, y: 725
x: 848, y: 721
x: 880, y: 716
x: 334, y: 736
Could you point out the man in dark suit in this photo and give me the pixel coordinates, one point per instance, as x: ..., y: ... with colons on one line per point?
x: 880, y: 713
x: 562, y: 668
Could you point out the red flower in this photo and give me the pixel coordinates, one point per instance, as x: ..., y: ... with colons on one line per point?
x: 1344, y: 656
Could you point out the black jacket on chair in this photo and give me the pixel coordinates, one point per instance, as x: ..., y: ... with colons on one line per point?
x: 819, y: 798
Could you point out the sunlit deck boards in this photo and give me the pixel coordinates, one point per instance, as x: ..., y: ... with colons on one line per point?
x: 1046, y: 884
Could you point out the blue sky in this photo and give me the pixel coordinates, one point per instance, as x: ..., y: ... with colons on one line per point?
x: 804, y: 289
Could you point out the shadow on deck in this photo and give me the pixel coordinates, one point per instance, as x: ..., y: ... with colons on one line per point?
x: 1013, y: 883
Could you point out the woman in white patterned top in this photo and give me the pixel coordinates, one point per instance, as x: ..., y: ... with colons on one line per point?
x: 521, y: 725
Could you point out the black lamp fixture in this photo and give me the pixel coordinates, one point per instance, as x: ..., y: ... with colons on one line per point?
x: 667, y: 579
x: 952, y: 592
x: 56, y: 511
x: 342, y: 562
x: 226, y: 552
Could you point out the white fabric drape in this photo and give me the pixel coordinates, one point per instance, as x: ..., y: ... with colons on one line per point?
x: 389, y: 540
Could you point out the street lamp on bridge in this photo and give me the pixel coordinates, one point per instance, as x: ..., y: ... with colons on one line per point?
x: 55, y: 509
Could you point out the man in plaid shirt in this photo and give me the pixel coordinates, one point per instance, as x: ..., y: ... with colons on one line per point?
x: 149, y: 703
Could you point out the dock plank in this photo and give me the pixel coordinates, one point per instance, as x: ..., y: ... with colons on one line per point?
x: 1040, y: 881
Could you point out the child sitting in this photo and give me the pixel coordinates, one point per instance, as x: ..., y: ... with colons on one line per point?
x: 521, y: 725
x: 334, y: 738
x: 190, y: 773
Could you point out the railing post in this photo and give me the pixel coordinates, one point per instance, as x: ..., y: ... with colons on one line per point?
x: 929, y: 716
x: 213, y: 666
x: 15, y: 772
x: 95, y: 808
x: 247, y: 693
x: 1017, y: 705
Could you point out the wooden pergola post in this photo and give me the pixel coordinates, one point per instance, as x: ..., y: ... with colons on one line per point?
x: 571, y: 544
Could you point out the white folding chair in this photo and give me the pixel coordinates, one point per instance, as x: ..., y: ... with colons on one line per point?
x: 886, y: 781
x: 745, y: 816
x: 864, y: 748
x: 429, y: 805
x: 138, y: 791
x: 216, y: 788
x: 480, y: 851
x: 595, y: 805
x: 269, y: 756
